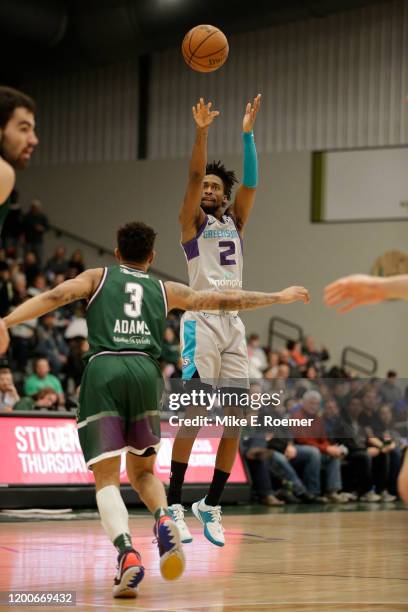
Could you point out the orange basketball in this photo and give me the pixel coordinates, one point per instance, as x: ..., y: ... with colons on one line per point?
x: 205, y: 48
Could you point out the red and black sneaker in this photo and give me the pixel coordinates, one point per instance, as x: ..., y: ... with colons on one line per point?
x: 130, y: 573
x: 172, y: 560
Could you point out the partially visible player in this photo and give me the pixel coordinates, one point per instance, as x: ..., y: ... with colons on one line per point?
x: 119, y: 399
x: 360, y: 290
x: 213, y: 345
x: 17, y: 140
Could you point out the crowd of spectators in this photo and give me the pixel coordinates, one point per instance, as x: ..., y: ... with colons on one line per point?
x: 353, y: 450
x: 355, y: 445
x: 44, y: 364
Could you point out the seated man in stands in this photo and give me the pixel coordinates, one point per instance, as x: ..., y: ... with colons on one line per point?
x: 288, y: 460
x: 43, y: 379
x: 369, y: 464
x: 256, y: 455
x: 8, y: 392
x: 325, y: 454
x: 391, y: 442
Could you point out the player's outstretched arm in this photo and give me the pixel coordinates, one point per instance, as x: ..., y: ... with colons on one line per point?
x: 181, y: 296
x: 245, y: 196
x: 7, y: 180
x: 79, y: 288
x: 191, y: 215
x: 361, y: 289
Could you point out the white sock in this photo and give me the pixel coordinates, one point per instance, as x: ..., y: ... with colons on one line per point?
x: 113, y: 512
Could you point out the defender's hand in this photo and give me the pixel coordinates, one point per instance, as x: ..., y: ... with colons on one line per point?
x: 203, y: 115
x: 251, y: 112
x: 294, y: 294
x: 354, y: 290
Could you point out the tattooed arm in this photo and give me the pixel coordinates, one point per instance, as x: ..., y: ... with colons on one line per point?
x: 79, y: 288
x: 181, y: 296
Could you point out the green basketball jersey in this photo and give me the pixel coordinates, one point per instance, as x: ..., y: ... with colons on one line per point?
x: 4, y: 210
x: 127, y: 313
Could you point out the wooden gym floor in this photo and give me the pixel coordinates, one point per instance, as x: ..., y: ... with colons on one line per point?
x: 273, y: 560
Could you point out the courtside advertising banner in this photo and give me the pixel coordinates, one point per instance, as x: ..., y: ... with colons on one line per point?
x: 46, y: 451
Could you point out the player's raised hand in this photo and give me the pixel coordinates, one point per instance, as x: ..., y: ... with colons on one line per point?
x: 294, y: 294
x: 203, y: 115
x: 352, y: 291
x: 4, y: 337
x: 251, y: 112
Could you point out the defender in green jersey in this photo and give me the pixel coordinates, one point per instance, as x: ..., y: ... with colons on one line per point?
x: 17, y: 140
x: 119, y: 392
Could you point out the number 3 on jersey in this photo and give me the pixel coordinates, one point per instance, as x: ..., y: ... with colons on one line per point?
x: 134, y: 308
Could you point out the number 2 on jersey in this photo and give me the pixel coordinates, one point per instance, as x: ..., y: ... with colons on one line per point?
x: 228, y: 251
x: 134, y: 308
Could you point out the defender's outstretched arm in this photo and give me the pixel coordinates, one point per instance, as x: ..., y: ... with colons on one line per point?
x: 181, y: 296
x: 79, y: 288
x: 362, y: 289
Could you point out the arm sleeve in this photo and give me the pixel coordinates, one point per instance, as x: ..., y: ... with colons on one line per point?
x: 250, y: 170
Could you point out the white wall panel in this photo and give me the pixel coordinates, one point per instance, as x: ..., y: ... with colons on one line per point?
x: 334, y: 82
x: 89, y: 116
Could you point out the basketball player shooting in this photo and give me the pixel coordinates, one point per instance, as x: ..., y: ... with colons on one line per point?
x: 213, y: 345
x: 118, y: 405
x: 17, y: 140
x: 361, y: 290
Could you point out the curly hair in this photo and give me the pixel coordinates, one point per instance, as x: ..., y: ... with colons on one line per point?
x: 228, y: 177
x: 135, y: 241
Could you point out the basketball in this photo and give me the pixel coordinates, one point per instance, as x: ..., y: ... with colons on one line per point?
x: 205, y: 48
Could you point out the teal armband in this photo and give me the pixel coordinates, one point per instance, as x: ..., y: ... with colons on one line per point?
x: 250, y: 171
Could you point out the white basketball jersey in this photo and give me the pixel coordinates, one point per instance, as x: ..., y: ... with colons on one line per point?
x: 214, y: 256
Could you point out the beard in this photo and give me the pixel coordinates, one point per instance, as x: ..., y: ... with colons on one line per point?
x: 211, y: 208
x: 12, y: 158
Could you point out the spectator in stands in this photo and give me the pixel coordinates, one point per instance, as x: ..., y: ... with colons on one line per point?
x: 285, y: 358
x: 390, y: 393
x: 368, y: 417
x: 30, y: 267
x: 20, y: 288
x: 39, y: 285
x: 315, y: 356
x: 51, y: 343
x: 296, y: 354
x: 8, y: 392
x: 6, y: 289
x: 368, y: 465
x: 58, y: 263
x: 311, y: 372
x: 392, y: 444
x: 76, y: 264
x: 342, y: 393
x: 326, y: 455
x: 45, y: 399
x: 256, y: 356
x: 273, y: 365
x: 42, y: 379
x: 35, y: 225
x: 288, y: 460
x: 13, y: 225
x: 256, y: 456
x: 331, y: 416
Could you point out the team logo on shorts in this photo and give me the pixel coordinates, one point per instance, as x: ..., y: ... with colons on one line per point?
x: 186, y: 362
